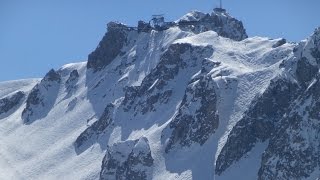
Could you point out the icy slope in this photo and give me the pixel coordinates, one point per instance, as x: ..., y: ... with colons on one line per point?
x: 172, y: 104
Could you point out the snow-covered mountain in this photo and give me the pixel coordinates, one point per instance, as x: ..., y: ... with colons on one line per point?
x: 196, y: 100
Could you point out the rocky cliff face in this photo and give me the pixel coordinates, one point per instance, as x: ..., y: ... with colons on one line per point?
x: 130, y: 160
x: 154, y: 88
x: 197, y: 117
x: 109, y: 47
x: 42, y: 97
x: 10, y: 102
x: 285, y: 115
x: 258, y: 123
x: 93, y: 132
x: 219, y: 21
x: 293, y: 151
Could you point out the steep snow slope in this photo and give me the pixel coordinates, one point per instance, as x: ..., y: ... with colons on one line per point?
x: 44, y: 149
x: 151, y: 105
x: 7, y: 88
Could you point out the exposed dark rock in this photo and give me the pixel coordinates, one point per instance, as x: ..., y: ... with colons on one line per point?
x: 259, y: 122
x: 298, y: 157
x: 42, y: 97
x: 315, y: 51
x: 144, y: 27
x: 71, y: 83
x: 219, y: 21
x: 197, y: 118
x: 74, y: 75
x: 279, y: 43
x: 52, y: 75
x: 33, y: 98
x: 305, y: 71
x: 286, y: 114
x: 72, y: 104
x: 293, y: 151
x: 11, y: 101
x: 152, y: 89
x: 130, y: 160
x: 308, y: 66
x: 109, y: 47
x: 92, y: 132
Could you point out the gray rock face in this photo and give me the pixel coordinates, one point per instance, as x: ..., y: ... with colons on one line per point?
x: 295, y: 141
x: 144, y: 27
x: 197, y: 118
x: 52, y: 76
x: 258, y: 123
x: 293, y: 150
x: 74, y: 75
x: 11, y: 101
x: 152, y: 89
x: 130, y: 160
x: 286, y: 114
x: 315, y: 50
x: 92, y: 132
x: 218, y: 21
x: 280, y: 43
x: 308, y: 55
x: 42, y: 97
x: 71, y: 83
x: 305, y: 71
x: 109, y: 47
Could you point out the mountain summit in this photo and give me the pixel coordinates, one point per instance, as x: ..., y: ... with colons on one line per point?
x: 194, y: 22
x: 219, y: 21
x: 191, y: 99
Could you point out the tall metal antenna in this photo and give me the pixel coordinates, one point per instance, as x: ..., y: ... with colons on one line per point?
x: 219, y: 8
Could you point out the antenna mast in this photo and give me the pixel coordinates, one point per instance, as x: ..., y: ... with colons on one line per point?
x: 219, y: 9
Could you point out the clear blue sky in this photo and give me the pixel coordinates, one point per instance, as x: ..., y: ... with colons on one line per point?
x: 36, y: 35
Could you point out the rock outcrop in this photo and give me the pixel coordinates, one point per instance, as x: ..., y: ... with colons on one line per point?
x: 152, y: 89
x: 219, y: 21
x: 90, y: 135
x: 71, y: 83
x: 286, y: 115
x: 11, y: 101
x: 129, y: 160
x: 258, y: 123
x: 109, y: 47
x: 197, y: 118
x: 42, y: 97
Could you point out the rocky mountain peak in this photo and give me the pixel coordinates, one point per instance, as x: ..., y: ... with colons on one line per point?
x: 109, y: 47
x: 189, y: 99
x: 219, y: 21
x: 307, y: 53
x: 116, y: 37
x: 52, y: 75
x: 116, y: 26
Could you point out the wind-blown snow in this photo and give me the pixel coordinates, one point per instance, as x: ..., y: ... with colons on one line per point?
x: 9, y: 87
